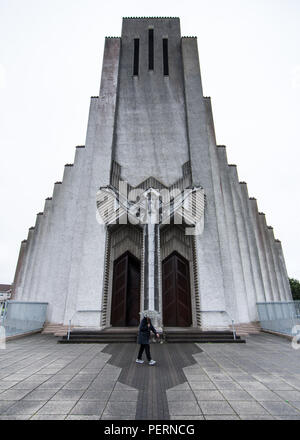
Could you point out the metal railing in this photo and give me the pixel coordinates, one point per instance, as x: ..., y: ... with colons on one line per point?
x: 21, y: 317
x: 3, y: 305
x: 79, y: 311
x: 279, y: 317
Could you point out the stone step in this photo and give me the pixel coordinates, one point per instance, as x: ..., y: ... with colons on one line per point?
x: 55, y: 329
x: 208, y: 340
x: 93, y: 341
x: 247, y: 328
x: 130, y: 335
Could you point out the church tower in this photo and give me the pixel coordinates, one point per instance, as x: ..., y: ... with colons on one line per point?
x: 151, y: 217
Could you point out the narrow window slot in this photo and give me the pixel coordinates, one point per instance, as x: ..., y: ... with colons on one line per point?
x: 136, y: 56
x: 165, y: 57
x: 151, y: 49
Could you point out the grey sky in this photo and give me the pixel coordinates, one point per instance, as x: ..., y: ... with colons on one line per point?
x: 50, y: 60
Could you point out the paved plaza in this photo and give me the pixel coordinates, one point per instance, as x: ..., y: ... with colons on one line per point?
x: 42, y: 380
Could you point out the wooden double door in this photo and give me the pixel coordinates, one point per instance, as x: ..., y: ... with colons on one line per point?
x: 176, y: 292
x: 125, y: 306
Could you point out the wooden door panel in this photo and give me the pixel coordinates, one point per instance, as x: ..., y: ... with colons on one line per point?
x: 176, y: 291
x: 126, y: 291
x: 133, y: 293
x: 119, y: 292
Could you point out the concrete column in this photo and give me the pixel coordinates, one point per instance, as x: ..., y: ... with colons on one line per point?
x: 64, y: 229
x: 32, y: 268
x: 41, y: 256
x: 261, y: 250
x: 19, y: 269
x: 211, y: 286
x: 240, y: 292
x: 254, y: 256
x: 21, y: 291
x: 228, y: 280
x: 269, y: 257
x: 243, y: 242
x: 281, y: 290
x: 52, y: 249
x: 75, y: 234
x: 288, y: 294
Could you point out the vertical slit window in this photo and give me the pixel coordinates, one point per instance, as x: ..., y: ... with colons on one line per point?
x: 136, y: 56
x: 165, y: 57
x: 151, y: 49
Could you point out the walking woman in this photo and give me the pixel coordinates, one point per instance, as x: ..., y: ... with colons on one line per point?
x: 143, y: 339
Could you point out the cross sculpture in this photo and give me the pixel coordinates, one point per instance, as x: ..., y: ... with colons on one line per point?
x: 150, y: 210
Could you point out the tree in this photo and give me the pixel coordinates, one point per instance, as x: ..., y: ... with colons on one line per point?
x: 295, y: 288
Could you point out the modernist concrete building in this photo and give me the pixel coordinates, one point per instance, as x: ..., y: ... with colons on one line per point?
x: 151, y: 127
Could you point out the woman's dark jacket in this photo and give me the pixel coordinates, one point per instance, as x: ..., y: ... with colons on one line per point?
x: 144, y: 332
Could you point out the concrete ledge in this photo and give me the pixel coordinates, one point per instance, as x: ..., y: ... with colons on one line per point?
x: 283, y: 335
x: 22, y: 335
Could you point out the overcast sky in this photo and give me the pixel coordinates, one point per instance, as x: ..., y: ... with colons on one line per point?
x: 50, y: 64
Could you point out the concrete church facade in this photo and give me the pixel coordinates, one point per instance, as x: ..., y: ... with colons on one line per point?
x: 151, y: 128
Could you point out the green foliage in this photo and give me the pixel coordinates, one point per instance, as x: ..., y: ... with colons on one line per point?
x: 295, y: 288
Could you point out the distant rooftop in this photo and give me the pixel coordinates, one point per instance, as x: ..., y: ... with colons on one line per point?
x: 4, y: 287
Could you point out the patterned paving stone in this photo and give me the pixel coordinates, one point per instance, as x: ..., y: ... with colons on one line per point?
x: 182, y: 395
x: 187, y: 418
x: 5, y: 404
x: 280, y: 408
x: 289, y: 395
x: 13, y: 394
x: 24, y: 407
x: 82, y: 417
x: 124, y: 396
x: 247, y: 407
x: 262, y: 395
x: 120, y: 409
x: 87, y: 407
x: 4, y: 385
x: 295, y: 404
x: 256, y: 417
x: 51, y: 380
x: 57, y: 407
x: 48, y: 417
x: 196, y: 386
x: 236, y: 395
x: 43, y: 395
x: 216, y: 408
x: 184, y: 409
x: 12, y: 417
x: 65, y: 394
x: 153, y: 382
x: 208, y: 395
x: 227, y: 386
x: 222, y: 417
x: 253, y: 386
x: 97, y: 395
x: 290, y: 417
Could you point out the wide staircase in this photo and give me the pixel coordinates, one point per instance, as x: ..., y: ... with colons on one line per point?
x: 129, y: 334
x: 196, y: 335
x: 105, y: 336
x: 251, y: 328
x: 55, y: 329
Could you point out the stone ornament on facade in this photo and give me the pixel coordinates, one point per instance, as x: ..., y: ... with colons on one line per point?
x: 152, y: 206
